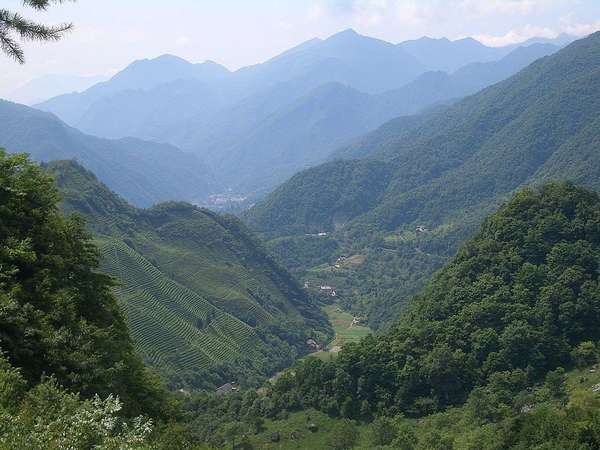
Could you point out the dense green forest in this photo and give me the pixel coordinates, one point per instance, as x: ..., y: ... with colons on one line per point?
x: 498, y: 351
x: 205, y: 303
x: 444, y: 172
x: 480, y: 360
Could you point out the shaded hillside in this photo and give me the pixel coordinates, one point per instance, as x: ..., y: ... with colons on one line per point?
x: 204, y: 301
x: 331, y: 194
x: 142, y: 172
x: 456, y: 165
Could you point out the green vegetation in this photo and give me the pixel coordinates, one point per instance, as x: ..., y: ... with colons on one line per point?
x: 346, y: 331
x: 327, y: 197
x: 477, y: 360
x: 446, y: 172
x: 519, y: 298
x: 57, y: 316
x: 204, y: 301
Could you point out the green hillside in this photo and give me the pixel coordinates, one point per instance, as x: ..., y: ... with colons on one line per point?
x: 449, y: 169
x: 204, y: 301
x: 499, y: 351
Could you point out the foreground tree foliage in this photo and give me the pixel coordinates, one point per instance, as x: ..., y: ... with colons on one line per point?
x: 58, y: 316
x: 12, y: 24
x: 518, y: 299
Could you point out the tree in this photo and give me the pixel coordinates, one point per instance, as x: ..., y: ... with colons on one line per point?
x: 14, y: 27
x: 58, y: 315
x: 585, y: 354
x: 344, y: 435
x: 383, y: 431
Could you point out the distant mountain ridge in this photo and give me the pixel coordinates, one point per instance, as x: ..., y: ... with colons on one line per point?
x: 143, y: 172
x: 259, y: 125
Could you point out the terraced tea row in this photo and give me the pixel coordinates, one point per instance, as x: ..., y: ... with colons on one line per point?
x: 170, y: 322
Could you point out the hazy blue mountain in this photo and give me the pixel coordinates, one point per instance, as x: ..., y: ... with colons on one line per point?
x: 561, y: 40
x: 261, y: 124
x: 448, y: 56
x: 268, y: 138
x: 367, y: 64
x: 48, y: 86
x: 434, y: 88
x: 364, y: 63
x: 151, y: 114
x: 142, y: 172
x: 139, y: 75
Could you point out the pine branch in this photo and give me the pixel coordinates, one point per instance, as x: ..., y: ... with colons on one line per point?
x: 27, y: 30
x: 42, y: 4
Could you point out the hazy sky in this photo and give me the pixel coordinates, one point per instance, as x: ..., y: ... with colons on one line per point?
x: 111, y: 33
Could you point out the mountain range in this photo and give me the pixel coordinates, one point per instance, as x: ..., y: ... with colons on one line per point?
x: 257, y: 126
x: 438, y: 175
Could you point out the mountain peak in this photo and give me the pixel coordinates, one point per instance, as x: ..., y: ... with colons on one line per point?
x: 346, y: 34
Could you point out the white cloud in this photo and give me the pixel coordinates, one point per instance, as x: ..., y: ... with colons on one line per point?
x: 530, y: 31
x: 503, y: 7
x: 182, y: 41
x: 517, y: 35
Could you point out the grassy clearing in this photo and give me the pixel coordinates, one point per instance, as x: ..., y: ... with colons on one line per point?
x: 295, y: 434
x: 342, y: 326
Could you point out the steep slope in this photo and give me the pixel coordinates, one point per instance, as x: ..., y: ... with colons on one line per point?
x: 142, y: 172
x: 332, y: 195
x: 204, y: 301
x: 452, y: 168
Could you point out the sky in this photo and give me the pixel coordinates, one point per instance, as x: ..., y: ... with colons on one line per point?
x: 109, y: 34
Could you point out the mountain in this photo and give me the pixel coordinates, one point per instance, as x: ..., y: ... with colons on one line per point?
x: 49, y: 86
x: 143, y: 172
x: 448, y: 56
x: 346, y: 57
x: 493, y: 333
x: 140, y: 75
x: 453, y: 167
x: 258, y: 126
x: 433, y: 89
x: 255, y: 155
x: 61, y: 328
x: 205, y: 303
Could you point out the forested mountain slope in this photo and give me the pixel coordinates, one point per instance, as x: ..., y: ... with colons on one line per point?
x: 519, y: 297
x: 143, y: 172
x: 499, y: 351
x: 455, y: 165
x: 205, y: 303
